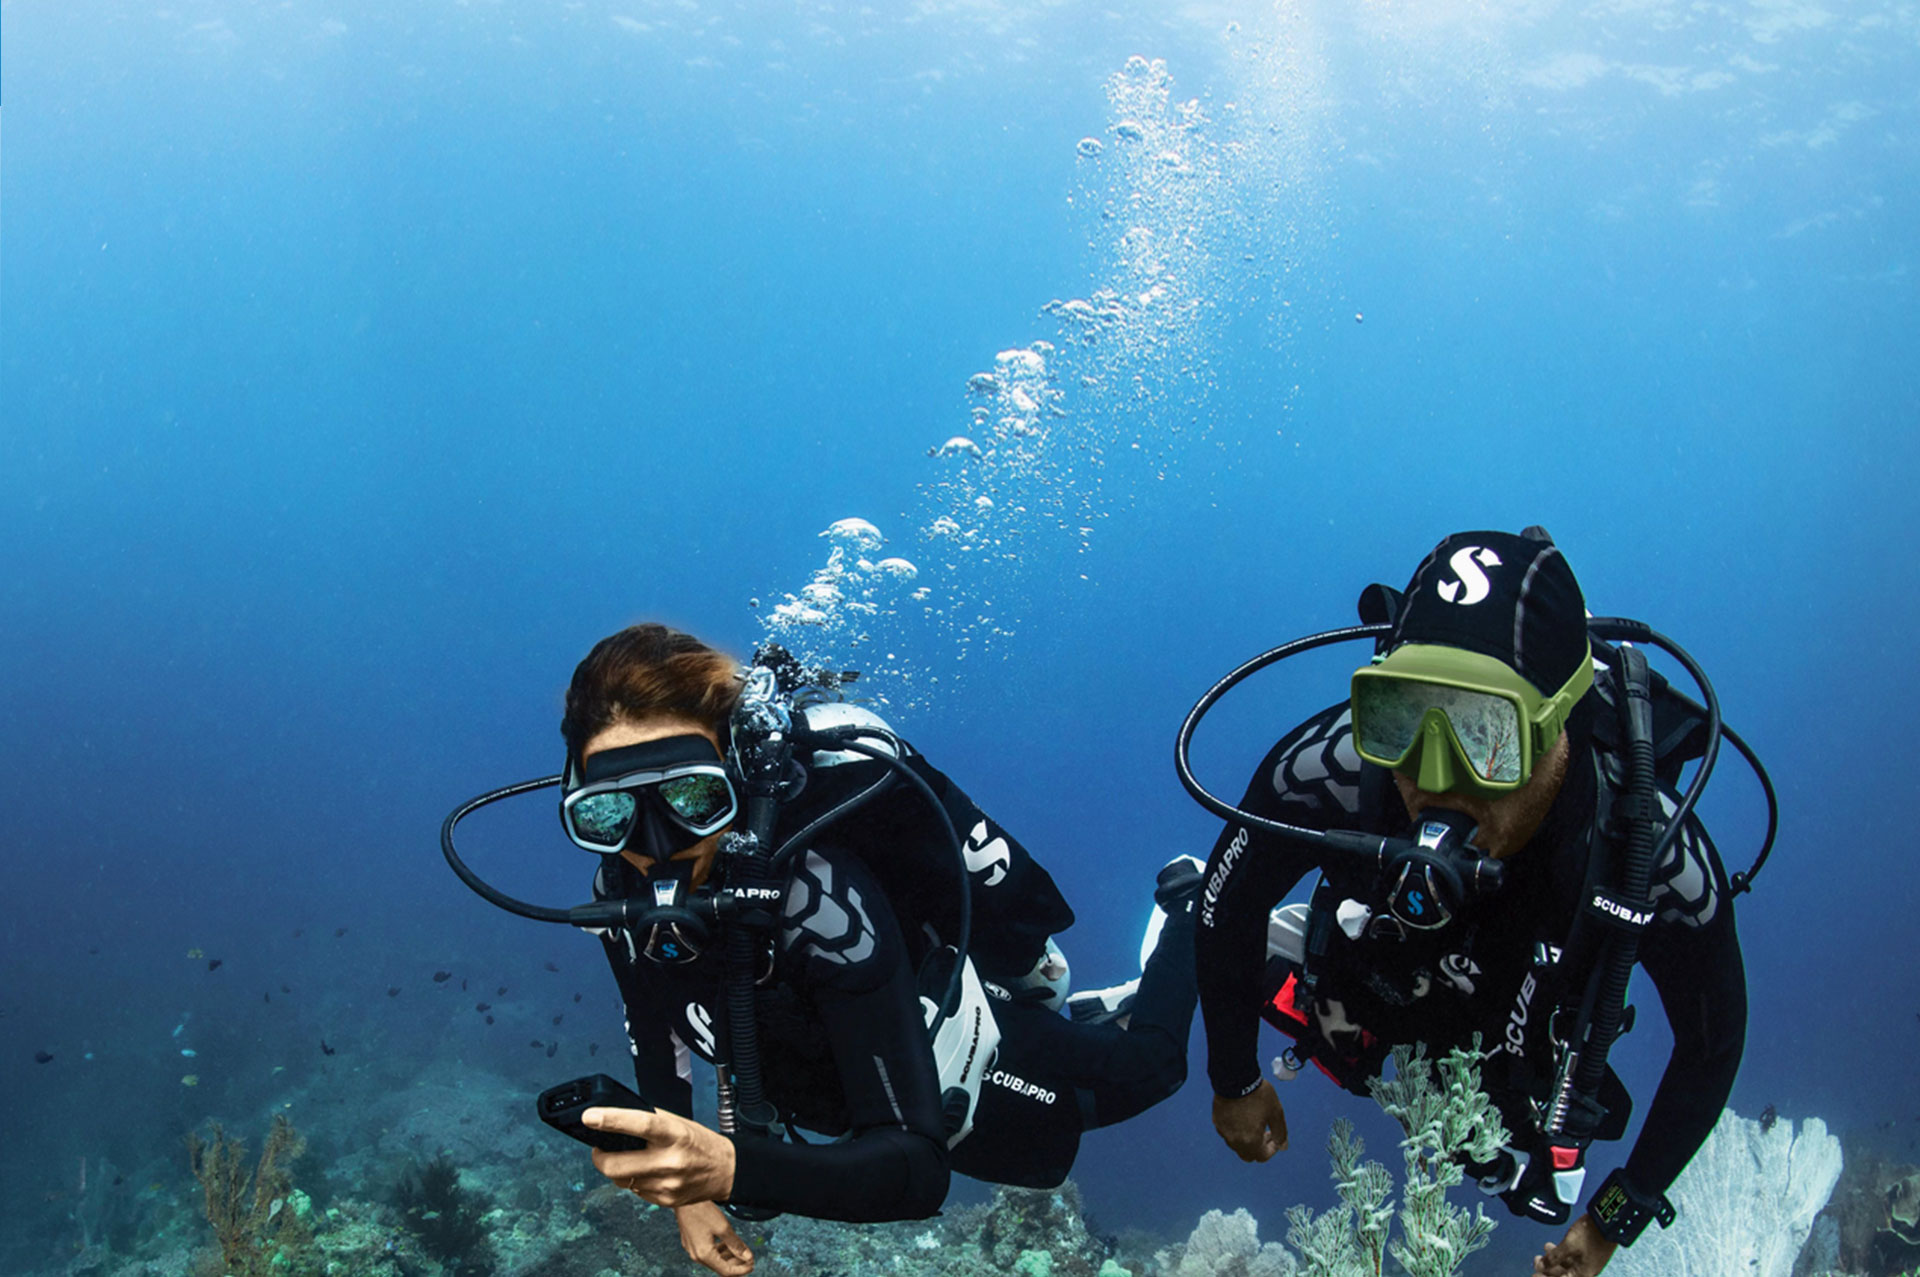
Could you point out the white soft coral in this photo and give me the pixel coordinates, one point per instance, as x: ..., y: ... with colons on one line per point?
x: 1746, y: 1203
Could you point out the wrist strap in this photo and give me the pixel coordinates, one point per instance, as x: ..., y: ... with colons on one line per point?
x: 1622, y: 1211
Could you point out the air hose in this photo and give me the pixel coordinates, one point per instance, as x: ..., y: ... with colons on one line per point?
x: 1641, y: 817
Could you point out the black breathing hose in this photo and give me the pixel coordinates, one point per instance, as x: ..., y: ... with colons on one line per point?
x: 845, y: 739
x: 1743, y: 881
x: 747, y: 869
x: 785, y: 852
x: 1622, y: 629
x: 1608, y: 1001
x: 1336, y: 839
x: 539, y: 913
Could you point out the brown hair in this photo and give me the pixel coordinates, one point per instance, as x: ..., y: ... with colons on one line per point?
x: 646, y: 670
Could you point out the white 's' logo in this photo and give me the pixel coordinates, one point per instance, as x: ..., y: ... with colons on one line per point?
x: 700, y: 1020
x: 991, y: 858
x: 1467, y: 562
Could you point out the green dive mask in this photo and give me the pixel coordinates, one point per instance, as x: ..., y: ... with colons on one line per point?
x: 1454, y: 720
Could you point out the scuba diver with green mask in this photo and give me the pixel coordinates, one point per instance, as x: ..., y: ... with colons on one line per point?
x: 796, y: 904
x: 1497, y: 818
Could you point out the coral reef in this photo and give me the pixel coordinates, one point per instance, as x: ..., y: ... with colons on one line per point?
x: 1032, y: 1233
x: 261, y: 1222
x: 1746, y: 1203
x: 490, y: 1193
x: 1223, y: 1243
x: 1860, y: 1231
x: 1447, y: 1118
x: 447, y: 1218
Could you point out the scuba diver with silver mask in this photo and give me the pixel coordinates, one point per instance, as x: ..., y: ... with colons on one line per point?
x: 1497, y: 819
x: 789, y: 895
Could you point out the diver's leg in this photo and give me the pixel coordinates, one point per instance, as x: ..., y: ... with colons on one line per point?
x: 1168, y: 989
x: 1027, y: 1124
x: 1174, y: 892
x: 1123, y: 1071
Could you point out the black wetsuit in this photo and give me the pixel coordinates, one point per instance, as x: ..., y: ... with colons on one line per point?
x: 1392, y: 992
x: 843, y: 1045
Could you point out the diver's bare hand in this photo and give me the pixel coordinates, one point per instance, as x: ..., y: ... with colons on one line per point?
x: 1255, y: 1125
x: 707, y: 1235
x: 1583, y: 1252
x: 683, y: 1162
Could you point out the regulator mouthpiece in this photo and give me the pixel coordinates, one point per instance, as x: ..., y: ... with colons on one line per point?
x: 1438, y: 874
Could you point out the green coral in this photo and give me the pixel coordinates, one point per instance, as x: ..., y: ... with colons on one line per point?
x: 1447, y: 1121
x: 1034, y: 1263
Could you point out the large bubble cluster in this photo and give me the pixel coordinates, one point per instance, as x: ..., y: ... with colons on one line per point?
x: 1063, y: 431
x: 829, y: 622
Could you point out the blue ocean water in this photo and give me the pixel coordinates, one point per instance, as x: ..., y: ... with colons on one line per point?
x: 363, y: 364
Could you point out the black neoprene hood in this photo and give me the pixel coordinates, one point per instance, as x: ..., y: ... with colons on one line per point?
x: 1509, y: 597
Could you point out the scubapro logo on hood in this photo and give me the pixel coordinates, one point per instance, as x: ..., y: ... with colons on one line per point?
x: 1466, y: 564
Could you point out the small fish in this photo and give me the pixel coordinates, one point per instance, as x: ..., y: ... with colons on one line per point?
x: 536, y: 1044
x: 213, y: 964
x: 298, y: 932
x: 393, y: 990
x: 441, y: 977
x: 266, y: 997
x: 95, y: 950
x: 593, y: 1048
x: 483, y: 1007
x: 489, y: 1019
x: 558, y: 1018
x: 43, y: 1057
x: 338, y: 932
x: 500, y: 992
x: 553, y: 966
x: 552, y: 1048
x: 576, y: 997
x: 463, y: 986
x: 191, y: 1079
x: 324, y: 1048
x: 188, y: 1052
x: 286, y: 988
x: 1768, y: 1116
x: 195, y: 954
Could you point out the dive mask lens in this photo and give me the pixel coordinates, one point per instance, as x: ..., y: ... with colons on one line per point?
x: 676, y: 787
x: 698, y: 800
x: 1483, y: 728
x: 602, y: 820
